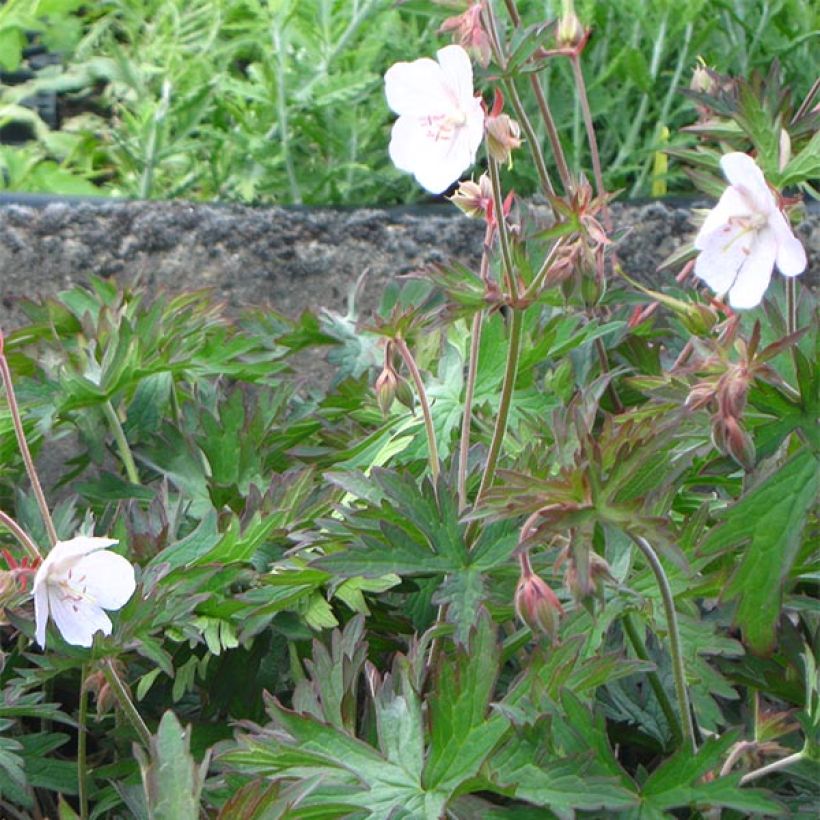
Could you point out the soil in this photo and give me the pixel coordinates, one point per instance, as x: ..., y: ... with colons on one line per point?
x: 288, y: 259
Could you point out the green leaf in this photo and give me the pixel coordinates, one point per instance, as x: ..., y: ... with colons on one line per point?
x: 679, y: 781
x: 766, y: 525
x: 462, y: 735
x: 171, y: 779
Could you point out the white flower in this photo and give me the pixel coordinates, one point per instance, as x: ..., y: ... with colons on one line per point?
x: 744, y: 236
x: 77, y: 580
x: 441, y: 123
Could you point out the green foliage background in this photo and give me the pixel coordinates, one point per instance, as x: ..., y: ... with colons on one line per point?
x: 281, y: 101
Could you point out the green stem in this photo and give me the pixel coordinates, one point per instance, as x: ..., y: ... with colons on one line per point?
x: 533, y: 142
x: 532, y: 290
x: 636, y: 639
x: 678, y: 669
x: 777, y: 766
x: 513, y: 352
x: 82, y: 737
x: 469, y: 392
x: 552, y: 133
x: 407, y: 356
x: 21, y: 535
x: 580, y: 86
x: 25, y: 452
x: 122, y: 442
x: 126, y: 704
x: 503, y: 233
x: 791, y: 305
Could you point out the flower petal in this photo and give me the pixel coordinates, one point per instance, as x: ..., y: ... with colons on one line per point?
x: 64, y: 553
x: 791, y: 255
x: 723, y: 253
x: 40, y: 614
x: 743, y: 173
x: 107, y: 579
x: 731, y: 204
x: 458, y: 72
x: 418, y: 88
x: 756, y: 272
x: 77, y: 620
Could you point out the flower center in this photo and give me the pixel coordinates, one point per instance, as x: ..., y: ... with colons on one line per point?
x: 444, y: 126
x: 72, y: 588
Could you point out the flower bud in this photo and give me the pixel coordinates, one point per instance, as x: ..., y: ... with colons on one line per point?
x: 503, y: 137
x: 732, y: 392
x: 592, y: 582
x: 570, y: 33
x: 473, y: 198
x: 385, y: 388
x: 699, y: 396
x: 537, y: 605
x: 730, y: 438
x: 702, y: 80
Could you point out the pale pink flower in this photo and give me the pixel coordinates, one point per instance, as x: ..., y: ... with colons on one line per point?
x: 77, y: 580
x: 744, y: 236
x: 441, y: 122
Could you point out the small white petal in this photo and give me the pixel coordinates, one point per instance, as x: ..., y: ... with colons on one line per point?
x: 40, y: 614
x: 78, y: 620
x: 106, y: 578
x: 791, y: 255
x: 723, y: 252
x: 417, y: 88
x: 64, y: 553
x: 731, y: 204
x: 756, y: 272
x: 743, y: 173
x: 458, y: 71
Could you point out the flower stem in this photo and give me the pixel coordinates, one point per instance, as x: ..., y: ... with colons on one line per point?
x: 513, y: 352
x: 126, y: 704
x: 25, y: 452
x: 580, y: 85
x: 20, y: 534
x: 503, y: 234
x: 122, y: 442
x: 469, y: 392
x: 791, y: 305
x: 636, y: 639
x: 408, y: 359
x: 777, y: 766
x: 82, y: 737
x: 678, y: 669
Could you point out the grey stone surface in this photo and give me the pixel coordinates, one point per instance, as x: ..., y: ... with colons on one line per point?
x: 288, y: 259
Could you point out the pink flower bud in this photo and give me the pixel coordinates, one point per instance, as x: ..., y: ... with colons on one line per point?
x: 503, y: 137
x: 537, y: 605
x: 473, y: 198
x: 570, y: 33
x: 385, y: 388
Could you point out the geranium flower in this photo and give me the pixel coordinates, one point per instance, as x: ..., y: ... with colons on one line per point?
x: 441, y: 123
x: 77, y: 580
x: 744, y: 236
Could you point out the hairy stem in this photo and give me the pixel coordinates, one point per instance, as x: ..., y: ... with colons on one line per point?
x: 21, y: 535
x: 126, y: 704
x: 636, y: 639
x: 770, y: 768
x: 512, y: 92
x: 503, y: 233
x: 408, y: 359
x: 25, y: 452
x: 510, y: 373
x: 580, y: 85
x: 82, y: 737
x: 678, y: 669
x: 122, y: 442
x: 472, y: 372
x: 791, y: 305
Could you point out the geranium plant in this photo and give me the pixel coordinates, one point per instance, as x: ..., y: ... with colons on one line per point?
x: 544, y: 548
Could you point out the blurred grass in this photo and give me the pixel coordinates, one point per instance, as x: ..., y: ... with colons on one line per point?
x: 282, y: 101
